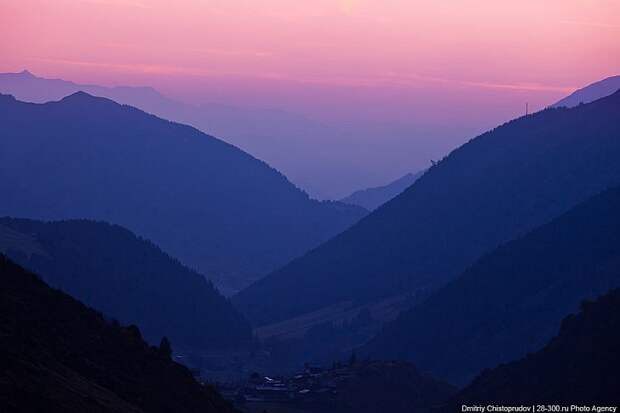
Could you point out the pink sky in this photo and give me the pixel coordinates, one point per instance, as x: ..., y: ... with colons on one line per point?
x: 301, y: 50
x: 467, y: 63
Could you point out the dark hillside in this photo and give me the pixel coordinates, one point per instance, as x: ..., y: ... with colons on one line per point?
x: 60, y: 356
x: 511, y: 301
x: 126, y: 278
x: 581, y: 365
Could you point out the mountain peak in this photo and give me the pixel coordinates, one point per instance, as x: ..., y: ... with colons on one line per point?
x: 82, y: 98
x: 79, y: 95
x: 26, y: 73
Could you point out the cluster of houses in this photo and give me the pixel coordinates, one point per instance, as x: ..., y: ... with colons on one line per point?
x: 312, y: 385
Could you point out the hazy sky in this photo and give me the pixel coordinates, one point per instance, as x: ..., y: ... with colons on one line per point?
x: 466, y: 63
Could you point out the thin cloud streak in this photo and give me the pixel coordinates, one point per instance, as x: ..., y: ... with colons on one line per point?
x: 591, y: 24
x: 408, y: 80
x: 122, y: 3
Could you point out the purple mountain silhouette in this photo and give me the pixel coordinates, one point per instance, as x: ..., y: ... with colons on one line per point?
x: 311, y: 154
x: 373, y: 198
x: 592, y: 92
x: 206, y: 202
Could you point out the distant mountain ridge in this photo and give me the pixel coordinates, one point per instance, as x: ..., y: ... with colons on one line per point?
x: 59, y: 356
x: 496, y: 187
x: 290, y: 142
x: 268, y: 134
x: 211, y: 205
x: 25, y: 86
x: 590, y: 93
x: 126, y: 278
x: 373, y: 198
x: 512, y: 300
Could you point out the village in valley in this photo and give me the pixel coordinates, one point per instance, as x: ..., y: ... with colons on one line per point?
x: 313, y: 385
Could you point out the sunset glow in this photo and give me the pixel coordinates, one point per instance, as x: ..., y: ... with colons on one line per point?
x: 446, y: 69
x: 538, y: 48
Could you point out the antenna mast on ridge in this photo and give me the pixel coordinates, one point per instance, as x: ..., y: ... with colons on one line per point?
x: 527, y: 108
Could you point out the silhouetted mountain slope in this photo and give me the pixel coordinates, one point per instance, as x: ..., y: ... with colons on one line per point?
x: 127, y: 278
x: 492, y: 189
x: 512, y: 300
x: 58, y: 355
x: 592, y: 92
x: 372, y: 198
x: 581, y: 365
x: 205, y: 202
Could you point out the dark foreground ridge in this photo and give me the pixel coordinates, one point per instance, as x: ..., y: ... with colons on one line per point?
x: 59, y: 356
x: 580, y: 365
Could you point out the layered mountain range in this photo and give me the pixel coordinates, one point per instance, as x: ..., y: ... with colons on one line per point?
x: 207, y: 203
x: 495, y: 188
